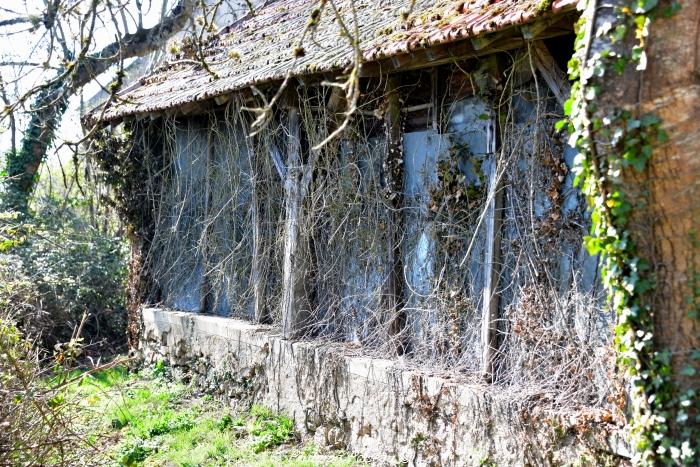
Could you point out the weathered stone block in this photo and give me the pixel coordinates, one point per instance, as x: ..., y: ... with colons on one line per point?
x: 371, y: 406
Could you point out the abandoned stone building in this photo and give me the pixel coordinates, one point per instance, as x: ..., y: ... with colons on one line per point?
x: 361, y: 214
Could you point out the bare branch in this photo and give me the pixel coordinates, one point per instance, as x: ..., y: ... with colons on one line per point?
x: 10, y: 22
x: 135, y: 44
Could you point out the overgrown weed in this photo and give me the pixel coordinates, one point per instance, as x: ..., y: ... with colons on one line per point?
x: 149, y: 420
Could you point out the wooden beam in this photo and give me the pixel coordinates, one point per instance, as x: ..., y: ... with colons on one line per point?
x: 295, y: 303
x: 434, y: 98
x: 258, y: 269
x: 509, y: 39
x: 483, y: 41
x: 221, y: 99
x: 277, y: 161
x: 393, y: 168
x: 206, y: 300
x: 336, y: 101
x: 439, y: 55
x: 534, y: 30
x: 492, y: 266
x: 196, y: 107
x: 550, y: 71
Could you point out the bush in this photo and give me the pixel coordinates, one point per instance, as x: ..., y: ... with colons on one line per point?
x: 36, y: 416
x: 62, y: 269
x: 46, y: 280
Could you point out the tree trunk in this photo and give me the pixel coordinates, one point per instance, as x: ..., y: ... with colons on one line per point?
x: 665, y: 196
x: 671, y: 90
x: 22, y: 166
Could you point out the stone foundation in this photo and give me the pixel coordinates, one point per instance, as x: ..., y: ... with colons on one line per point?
x: 370, y: 406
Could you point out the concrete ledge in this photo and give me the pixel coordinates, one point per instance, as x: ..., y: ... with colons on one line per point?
x: 367, y: 405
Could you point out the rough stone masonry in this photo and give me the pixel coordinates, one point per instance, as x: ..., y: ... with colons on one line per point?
x: 388, y: 413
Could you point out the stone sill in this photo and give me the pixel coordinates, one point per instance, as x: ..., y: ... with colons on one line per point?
x: 374, y: 407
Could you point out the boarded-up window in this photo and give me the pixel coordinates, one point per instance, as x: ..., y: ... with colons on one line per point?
x: 444, y: 182
x: 177, y: 253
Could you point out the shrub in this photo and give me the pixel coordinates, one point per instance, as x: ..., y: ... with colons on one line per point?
x: 57, y: 268
x: 36, y: 413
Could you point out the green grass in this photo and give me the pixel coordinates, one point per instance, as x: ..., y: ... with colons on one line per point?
x: 145, y: 419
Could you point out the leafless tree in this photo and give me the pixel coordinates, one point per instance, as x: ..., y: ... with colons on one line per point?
x: 67, y: 38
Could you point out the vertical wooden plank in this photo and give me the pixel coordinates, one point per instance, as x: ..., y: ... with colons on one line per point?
x: 295, y: 307
x: 393, y: 179
x: 257, y: 270
x: 434, y: 99
x: 492, y: 267
x: 206, y: 299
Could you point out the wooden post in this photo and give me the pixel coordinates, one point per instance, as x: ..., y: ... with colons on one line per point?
x: 492, y: 266
x: 206, y: 300
x: 295, y: 304
x: 393, y: 171
x: 434, y: 99
x: 258, y: 272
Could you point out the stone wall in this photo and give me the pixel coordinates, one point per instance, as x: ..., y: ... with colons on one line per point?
x: 377, y: 408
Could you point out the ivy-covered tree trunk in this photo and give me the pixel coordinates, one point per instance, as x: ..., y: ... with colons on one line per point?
x: 636, y: 118
x: 671, y: 90
x: 51, y: 101
x: 22, y: 167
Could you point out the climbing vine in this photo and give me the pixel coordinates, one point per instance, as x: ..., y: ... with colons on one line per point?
x: 613, y: 142
x: 20, y: 171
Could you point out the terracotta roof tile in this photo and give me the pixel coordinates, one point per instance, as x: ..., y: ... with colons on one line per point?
x: 260, y: 48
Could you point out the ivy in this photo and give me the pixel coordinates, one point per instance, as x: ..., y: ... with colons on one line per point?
x: 610, y: 144
x: 20, y: 166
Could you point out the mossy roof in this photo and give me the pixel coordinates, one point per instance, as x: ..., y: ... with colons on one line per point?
x: 265, y: 46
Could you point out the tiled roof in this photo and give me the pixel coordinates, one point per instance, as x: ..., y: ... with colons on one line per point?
x: 261, y: 48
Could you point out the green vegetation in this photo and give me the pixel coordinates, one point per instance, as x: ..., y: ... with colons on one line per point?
x: 59, y: 281
x: 57, y: 269
x: 37, y: 413
x: 611, y: 142
x: 145, y: 419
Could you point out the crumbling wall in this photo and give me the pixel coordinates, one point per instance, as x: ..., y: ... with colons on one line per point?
x: 375, y: 407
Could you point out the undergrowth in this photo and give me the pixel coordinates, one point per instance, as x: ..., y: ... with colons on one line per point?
x: 145, y: 419
x: 56, y: 271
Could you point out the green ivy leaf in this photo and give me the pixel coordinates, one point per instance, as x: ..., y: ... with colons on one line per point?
x: 619, y: 32
x: 568, y: 106
x: 644, y: 6
x: 650, y: 119
x: 619, y: 65
x: 671, y: 10
x: 561, y: 124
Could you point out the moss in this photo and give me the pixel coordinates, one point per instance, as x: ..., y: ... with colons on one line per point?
x: 418, y: 440
x: 544, y: 6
